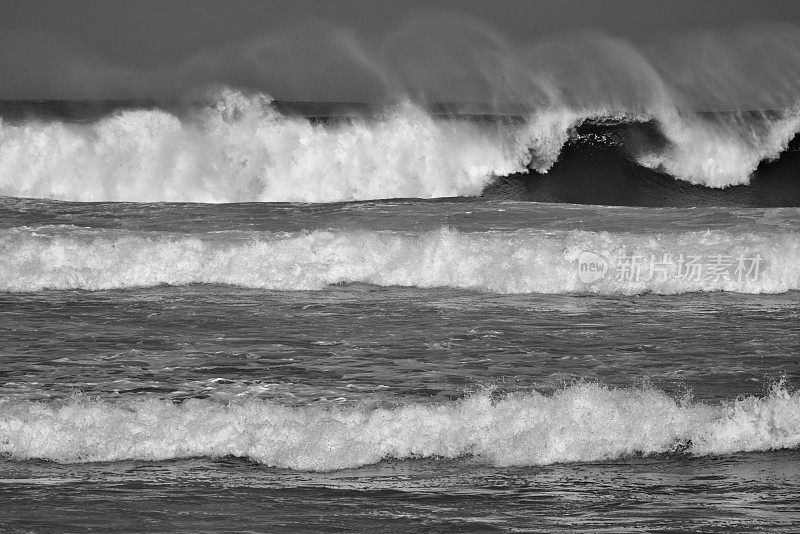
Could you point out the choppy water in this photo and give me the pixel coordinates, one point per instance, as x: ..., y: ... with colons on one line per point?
x: 391, y: 365
x: 223, y: 312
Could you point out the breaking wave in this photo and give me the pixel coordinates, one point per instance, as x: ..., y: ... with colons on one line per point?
x: 241, y: 148
x: 522, y: 261
x: 720, y: 155
x: 582, y: 423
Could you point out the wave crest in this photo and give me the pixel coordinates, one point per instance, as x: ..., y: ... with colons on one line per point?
x: 523, y: 261
x: 242, y: 149
x: 719, y: 155
x: 582, y: 423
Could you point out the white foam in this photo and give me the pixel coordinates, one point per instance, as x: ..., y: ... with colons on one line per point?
x: 242, y: 149
x: 522, y: 261
x: 719, y: 154
x: 582, y: 423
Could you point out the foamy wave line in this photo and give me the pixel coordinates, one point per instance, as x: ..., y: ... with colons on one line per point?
x: 582, y: 423
x: 242, y: 149
x: 523, y: 261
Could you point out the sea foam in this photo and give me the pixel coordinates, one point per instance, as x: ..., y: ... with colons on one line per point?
x: 521, y: 261
x: 719, y: 154
x: 582, y: 423
x: 240, y: 148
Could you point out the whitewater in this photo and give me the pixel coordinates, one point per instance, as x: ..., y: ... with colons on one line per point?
x: 240, y: 147
x: 521, y: 261
x: 582, y: 423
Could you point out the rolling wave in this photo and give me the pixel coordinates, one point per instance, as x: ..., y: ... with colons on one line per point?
x: 602, y: 164
x: 582, y: 423
x: 242, y: 148
x: 522, y: 261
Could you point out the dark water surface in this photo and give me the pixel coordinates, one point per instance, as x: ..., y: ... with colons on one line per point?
x: 752, y: 493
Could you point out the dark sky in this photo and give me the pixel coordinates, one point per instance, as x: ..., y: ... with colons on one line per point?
x: 149, y: 31
x: 53, y: 48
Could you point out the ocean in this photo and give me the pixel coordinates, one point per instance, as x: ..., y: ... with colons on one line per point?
x: 247, y: 315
